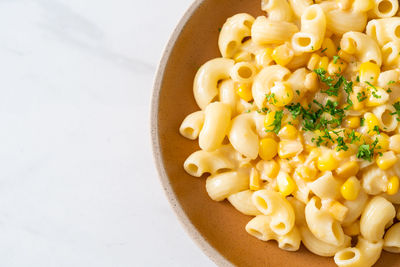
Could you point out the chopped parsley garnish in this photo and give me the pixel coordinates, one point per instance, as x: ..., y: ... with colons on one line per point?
x: 362, y: 120
x: 391, y: 82
x: 397, y: 112
x: 323, y: 50
x: 277, y: 124
x: 389, y: 90
x: 376, y: 129
x: 297, y: 92
x: 335, y: 59
x: 361, y: 96
x: 271, y: 96
x: 353, y: 137
x: 366, y: 151
x: 341, y: 144
x: 375, y: 95
x: 370, y: 84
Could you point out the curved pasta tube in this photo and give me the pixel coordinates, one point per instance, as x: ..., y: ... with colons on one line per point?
x: 374, y: 180
x: 216, y: 123
x: 228, y: 95
x: 392, y: 239
x: 277, y: 10
x: 243, y: 136
x: 232, y: 33
x: 384, y: 30
x: 366, y: 49
x: 365, y: 254
x: 243, y: 203
x: 265, y: 31
x: 377, y: 213
x: 322, y: 224
x: 390, y: 53
x: 341, y: 21
x: 192, y: 124
x: 387, y: 122
x: 355, y: 208
x: 313, y: 26
x: 205, y: 87
x: 221, y: 186
x: 385, y: 78
x: 298, y: 208
x: 273, y: 204
x: 201, y: 162
x: 326, y: 186
x: 265, y: 80
x: 243, y: 72
x: 384, y: 8
x: 319, y: 247
x: 260, y: 227
x: 299, y: 6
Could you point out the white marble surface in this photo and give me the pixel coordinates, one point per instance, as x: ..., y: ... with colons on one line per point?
x: 77, y: 181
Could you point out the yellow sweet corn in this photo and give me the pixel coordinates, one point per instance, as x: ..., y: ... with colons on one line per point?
x: 393, y: 185
x: 337, y: 210
x: 313, y: 62
x: 345, y: 56
x: 307, y: 172
x: 255, y: 181
x: 264, y: 58
x: 271, y: 168
x: 311, y: 81
x: 286, y: 185
x: 350, y: 188
x: 282, y: 54
x: 347, y: 169
x: 386, y: 160
x: 371, y: 121
x: 327, y: 161
x: 376, y: 96
x: 269, y: 120
x: 323, y: 63
x: 268, y: 148
x: 357, y: 95
x: 336, y: 67
x: 282, y: 94
x: 369, y: 72
x: 383, y: 142
x: 352, y: 122
x: 288, y: 132
x: 329, y: 48
x: 244, y: 92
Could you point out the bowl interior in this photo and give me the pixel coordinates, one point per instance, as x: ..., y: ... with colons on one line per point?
x: 218, y: 223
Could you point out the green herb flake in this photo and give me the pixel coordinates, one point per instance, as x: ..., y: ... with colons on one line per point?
x: 277, y: 124
x: 391, y: 82
x: 335, y: 59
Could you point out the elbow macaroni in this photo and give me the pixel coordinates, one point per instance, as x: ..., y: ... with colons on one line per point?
x: 300, y: 128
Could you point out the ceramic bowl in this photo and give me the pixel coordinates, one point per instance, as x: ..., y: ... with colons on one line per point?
x: 215, y: 226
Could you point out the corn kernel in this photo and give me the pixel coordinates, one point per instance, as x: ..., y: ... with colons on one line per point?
x: 353, y: 229
x: 268, y: 148
x: 289, y: 148
x: 323, y: 63
x: 313, y: 62
x: 286, y: 184
x: 347, y: 169
x: 269, y: 120
x: 311, y: 81
x: 383, y: 142
x: 307, y: 172
x: 369, y: 72
x: 357, y: 91
x: 288, y: 132
x: 337, y: 210
x: 244, y: 92
x: 353, y: 122
x: 376, y: 96
x: 371, y: 121
x: 255, y: 181
x: 386, y: 160
x: 345, y: 56
x: 394, y: 143
x: 336, y: 68
x: 271, y: 168
x: 393, y: 185
x: 282, y: 54
x: 350, y: 188
x: 329, y: 48
x: 283, y: 94
x: 327, y: 161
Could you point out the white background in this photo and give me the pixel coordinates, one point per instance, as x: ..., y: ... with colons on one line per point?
x: 78, y: 186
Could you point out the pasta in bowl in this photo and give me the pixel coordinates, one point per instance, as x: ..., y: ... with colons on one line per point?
x: 297, y: 128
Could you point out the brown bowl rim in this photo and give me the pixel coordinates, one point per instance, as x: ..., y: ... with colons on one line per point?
x: 195, y: 235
